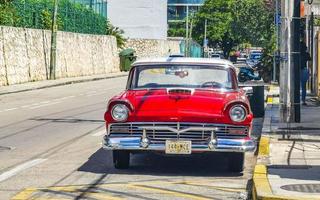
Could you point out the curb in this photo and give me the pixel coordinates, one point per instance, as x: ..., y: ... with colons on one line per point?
x: 64, y: 83
x: 261, y: 188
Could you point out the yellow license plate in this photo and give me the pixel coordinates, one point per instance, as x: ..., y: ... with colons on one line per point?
x: 178, y: 147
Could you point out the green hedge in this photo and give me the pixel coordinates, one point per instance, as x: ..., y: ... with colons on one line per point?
x: 73, y: 17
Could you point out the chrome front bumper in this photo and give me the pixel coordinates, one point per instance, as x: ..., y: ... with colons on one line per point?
x: 219, y: 145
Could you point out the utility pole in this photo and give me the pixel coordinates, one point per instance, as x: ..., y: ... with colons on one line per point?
x: 53, y: 52
x: 290, y: 62
x: 186, y: 53
x: 311, y: 24
x: 276, y: 53
x: 205, y: 42
x: 296, y: 52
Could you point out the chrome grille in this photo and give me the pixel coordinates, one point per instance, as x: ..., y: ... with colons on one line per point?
x: 163, y: 131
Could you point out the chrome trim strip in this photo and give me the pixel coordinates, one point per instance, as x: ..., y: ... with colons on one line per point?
x: 222, y: 145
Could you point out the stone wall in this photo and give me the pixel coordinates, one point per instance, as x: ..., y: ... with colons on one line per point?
x: 153, y: 48
x: 25, y: 55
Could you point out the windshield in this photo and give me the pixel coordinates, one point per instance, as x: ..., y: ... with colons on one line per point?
x: 181, y: 76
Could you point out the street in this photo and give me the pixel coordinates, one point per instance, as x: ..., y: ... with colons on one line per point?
x: 50, y: 147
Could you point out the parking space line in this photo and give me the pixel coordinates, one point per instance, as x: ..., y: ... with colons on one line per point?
x: 168, y: 191
x: 99, y: 133
x: 25, y: 194
x: 225, y: 189
x: 29, y: 192
x: 19, y: 168
x: 137, y: 186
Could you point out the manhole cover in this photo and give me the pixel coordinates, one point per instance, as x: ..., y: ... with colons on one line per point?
x: 308, y: 188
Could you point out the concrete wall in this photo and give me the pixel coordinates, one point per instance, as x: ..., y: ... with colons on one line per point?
x: 153, y: 48
x: 146, y: 19
x: 25, y: 54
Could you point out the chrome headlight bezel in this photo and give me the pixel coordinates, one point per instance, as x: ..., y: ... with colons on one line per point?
x: 122, y: 112
x: 238, y: 108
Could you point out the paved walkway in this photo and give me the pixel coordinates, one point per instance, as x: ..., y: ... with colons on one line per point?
x: 52, y: 83
x: 289, y: 155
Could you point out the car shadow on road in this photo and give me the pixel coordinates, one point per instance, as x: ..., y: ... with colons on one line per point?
x: 213, y: 164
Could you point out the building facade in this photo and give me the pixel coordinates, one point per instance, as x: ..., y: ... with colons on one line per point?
x: 139, y: 19
x: 99, y: 6
x: 178, y: 9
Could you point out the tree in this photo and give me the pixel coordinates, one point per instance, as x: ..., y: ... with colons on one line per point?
x: 116, y: 32
x: 253, y: 22
x: 232, y: 22
x: 219, y: 15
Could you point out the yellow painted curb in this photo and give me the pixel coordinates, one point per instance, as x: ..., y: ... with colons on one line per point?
x: 261, y: 188
x: 264, y: 146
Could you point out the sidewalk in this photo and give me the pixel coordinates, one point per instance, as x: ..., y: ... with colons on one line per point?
x: 288, y: 165
x: 58, y: 82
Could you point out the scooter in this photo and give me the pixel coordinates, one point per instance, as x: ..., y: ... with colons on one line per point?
x: 247, y: 74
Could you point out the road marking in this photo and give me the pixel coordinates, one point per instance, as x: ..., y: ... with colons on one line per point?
x: 19, y: 168
x: 225, y: 189
x: 95, y: 94
x: 45, y: 102
x: 25, y: 106
x: 25, y: 194
x: 99, y: 133
x: 10, y: 109
x: 63, y: 98
x: 30, y: 192
x: 169, y: 192
x: 43, y: 105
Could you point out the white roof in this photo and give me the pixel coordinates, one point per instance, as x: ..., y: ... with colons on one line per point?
x: 183, y: 60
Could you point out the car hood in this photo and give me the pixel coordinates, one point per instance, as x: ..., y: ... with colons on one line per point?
x: 164, y: 105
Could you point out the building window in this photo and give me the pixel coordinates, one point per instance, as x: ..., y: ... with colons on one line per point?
x: 177, y: 9
x: 99, y: 6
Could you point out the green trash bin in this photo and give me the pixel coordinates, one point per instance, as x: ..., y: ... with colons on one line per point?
x: 127, y: 57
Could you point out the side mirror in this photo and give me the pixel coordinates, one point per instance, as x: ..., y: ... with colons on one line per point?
x: 248, y: 90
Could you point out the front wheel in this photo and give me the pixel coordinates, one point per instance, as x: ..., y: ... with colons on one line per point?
x: 236, y: 162
x: 121, y: 159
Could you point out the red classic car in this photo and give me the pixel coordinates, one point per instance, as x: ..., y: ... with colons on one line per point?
x: 180, y: 106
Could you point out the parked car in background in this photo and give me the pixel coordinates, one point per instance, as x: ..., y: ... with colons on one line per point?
x: 197, y: 109
x: 176, y: 55
x: 243, y: 57
x: 215, y: 55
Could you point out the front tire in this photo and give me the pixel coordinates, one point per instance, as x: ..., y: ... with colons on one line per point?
x: 121, y: 159
x: 236, y: 162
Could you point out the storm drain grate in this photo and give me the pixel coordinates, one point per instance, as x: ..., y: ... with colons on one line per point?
x: 307, y: 188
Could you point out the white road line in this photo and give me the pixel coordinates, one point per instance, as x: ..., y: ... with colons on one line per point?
x: 10, y: 109
x: 99, y: 133
x: 19, y: 168
x: 25, y: 106
x: 43, y: 105
x: 45, y: 102
x: 90, y: 95
x: 63, y: 98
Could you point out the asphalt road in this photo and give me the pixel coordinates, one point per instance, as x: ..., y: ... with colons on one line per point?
x: 50, y: 147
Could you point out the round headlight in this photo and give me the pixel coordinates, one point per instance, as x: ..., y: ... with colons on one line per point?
x: 238, y: 113
x: 119, y: 112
